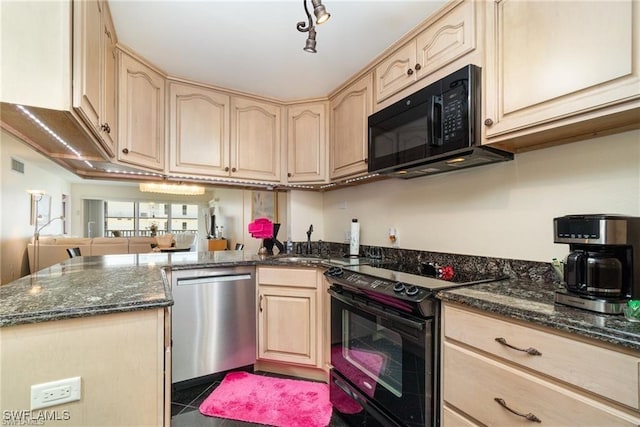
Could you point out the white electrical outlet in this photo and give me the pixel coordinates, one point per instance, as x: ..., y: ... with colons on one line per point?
x: 55, y: 393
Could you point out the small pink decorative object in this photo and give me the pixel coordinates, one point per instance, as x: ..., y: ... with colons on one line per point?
x: 446, y: 272
x: 261, y: 228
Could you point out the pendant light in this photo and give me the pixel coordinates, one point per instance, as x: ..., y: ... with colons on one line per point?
x: 321, y: 15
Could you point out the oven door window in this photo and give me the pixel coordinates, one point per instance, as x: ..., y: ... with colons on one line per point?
x: 387, y: 358
x: 374, y: 350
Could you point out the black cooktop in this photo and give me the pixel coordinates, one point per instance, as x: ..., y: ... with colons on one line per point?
x: 411, y: 293
x: 429, y: 282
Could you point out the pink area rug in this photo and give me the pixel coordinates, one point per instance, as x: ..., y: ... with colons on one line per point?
x: 267, y: 400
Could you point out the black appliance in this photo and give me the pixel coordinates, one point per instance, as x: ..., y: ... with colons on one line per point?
x: 602, y: 271
x: 270, y: 242
x: 385, y: 328
x: 434, y: 130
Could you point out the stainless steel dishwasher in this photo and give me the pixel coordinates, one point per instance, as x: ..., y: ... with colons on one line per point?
x: 213, y: 321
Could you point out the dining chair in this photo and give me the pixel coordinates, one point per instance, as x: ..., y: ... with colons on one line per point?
x: 73, y: 252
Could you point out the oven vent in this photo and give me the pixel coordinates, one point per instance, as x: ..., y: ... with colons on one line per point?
x: 17, y: 165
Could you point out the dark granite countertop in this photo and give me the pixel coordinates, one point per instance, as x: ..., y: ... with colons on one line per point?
x: 533, y: 302
x: 88, y: 286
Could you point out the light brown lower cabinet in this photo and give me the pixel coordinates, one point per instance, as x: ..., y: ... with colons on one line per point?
x: 121, y: 358
x: 485, y: 382
x: 290, y: 332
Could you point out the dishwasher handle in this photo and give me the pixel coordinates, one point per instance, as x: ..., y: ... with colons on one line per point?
x: 201, y: 280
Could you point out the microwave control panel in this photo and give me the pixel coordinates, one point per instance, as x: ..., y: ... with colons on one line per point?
x: 453, y: 114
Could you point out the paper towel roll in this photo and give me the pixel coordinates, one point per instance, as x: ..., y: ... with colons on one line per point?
x: 354, y: 242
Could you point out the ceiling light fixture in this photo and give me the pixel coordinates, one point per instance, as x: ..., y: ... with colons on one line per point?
x: 307, y: 27
x: 167, y: 188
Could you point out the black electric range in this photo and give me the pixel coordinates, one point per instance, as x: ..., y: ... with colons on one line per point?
x: 392, y: 316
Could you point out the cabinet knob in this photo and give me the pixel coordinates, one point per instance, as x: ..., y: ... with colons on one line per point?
x: 233, y: 169
x: 226, y: 169
x: 289, y: 174
x: 418, y: 67
x: 105, y: 128
x: 125, y: 150
x: 409, y: 72
x: 366, y: 160
x: 488, y: 122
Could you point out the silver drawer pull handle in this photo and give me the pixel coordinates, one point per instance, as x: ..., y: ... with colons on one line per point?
x: 532, y: 351
x: 528, y: 416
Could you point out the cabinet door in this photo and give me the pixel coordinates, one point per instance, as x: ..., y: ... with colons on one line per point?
x: 447, y: 39
x: 141, y: 114
x: 198, y: 130
x: 108, y: 126
x: 443, y: 41
x: 287, y: 325
x: 87, y: 51
x: 255, y: 140
x: 554, y: 63
x: 396, y: 72
x: 350, y: 111
x: 307, y: 143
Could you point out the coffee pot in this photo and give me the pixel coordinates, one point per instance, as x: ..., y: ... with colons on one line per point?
x: 593, y: 273
x: 602, y: 271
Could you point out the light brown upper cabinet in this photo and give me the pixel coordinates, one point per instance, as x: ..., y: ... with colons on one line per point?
x: 350, y: 110
x: 560, y: 71
x: 255, y: 139
x: 441, y: 42
x: 307, y: 143
x: 109, y: 104
x: 141, y: 114
x: 94, y: 90
x: 198, y: 130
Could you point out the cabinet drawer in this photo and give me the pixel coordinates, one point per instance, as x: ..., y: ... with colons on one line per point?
x: 450, y: 418
x: 472, y: 382
x: 296, y: 277
x: 605, y: 372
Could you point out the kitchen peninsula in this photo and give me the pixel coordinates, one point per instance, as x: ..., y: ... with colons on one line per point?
x: 112, y: 311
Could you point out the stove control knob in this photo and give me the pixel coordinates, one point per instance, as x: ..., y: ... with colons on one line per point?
x: 335, y: 272
x: 398, y: 287
x: 412, y: 290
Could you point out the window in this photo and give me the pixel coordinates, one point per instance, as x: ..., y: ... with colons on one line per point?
x: 129, y: 219
x: 120, y: 217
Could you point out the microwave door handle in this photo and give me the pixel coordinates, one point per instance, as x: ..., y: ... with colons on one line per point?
x: 436, y: 121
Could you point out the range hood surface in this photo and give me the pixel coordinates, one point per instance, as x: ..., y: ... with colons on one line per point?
x: 454, y: 160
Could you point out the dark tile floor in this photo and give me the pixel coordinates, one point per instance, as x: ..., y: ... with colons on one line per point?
x: 186, y: 401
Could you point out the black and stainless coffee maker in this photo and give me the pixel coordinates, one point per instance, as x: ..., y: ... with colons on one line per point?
x: 602, y: 271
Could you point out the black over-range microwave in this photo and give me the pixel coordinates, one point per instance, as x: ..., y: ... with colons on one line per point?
x: 434, y: 130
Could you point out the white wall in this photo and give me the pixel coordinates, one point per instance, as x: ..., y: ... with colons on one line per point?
x: 503, y: 210
x: 305, y: 209
x: 15, y: 203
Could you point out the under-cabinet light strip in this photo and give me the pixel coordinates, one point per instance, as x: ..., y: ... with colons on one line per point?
x: 115, y: 171
x: 53, y: 134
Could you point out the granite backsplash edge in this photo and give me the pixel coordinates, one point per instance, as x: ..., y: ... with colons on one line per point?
x: 535, y: 271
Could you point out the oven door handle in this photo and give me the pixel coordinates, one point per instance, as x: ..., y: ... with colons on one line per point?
x: 418, y: 325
